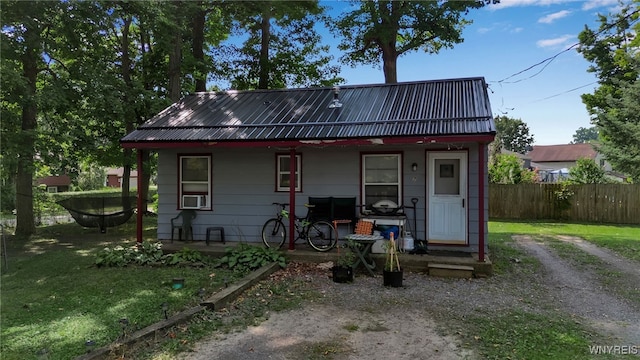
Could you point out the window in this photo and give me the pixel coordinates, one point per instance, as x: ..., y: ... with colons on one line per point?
x: 52, y: 189
x: 283, y: 172
x: 195, y: 182
x: 381, y: 178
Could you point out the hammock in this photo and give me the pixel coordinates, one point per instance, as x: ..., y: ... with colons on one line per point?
x: 100, y: 212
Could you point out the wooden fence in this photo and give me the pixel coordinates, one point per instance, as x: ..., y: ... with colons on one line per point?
x: 596, y: 203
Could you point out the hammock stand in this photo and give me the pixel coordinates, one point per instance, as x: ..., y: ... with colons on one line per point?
x: 100, y: 212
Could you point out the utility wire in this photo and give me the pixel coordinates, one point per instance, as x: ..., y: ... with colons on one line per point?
x: 548, y: 60
x: 565, y: 92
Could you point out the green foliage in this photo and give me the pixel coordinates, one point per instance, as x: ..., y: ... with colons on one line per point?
x: 585, y: 135
x: 245, y: 258
x: 507, y: 169
x: 586, y: 171
x: 91, y: 177
x: 346, y: 256
x: 283, y: 48
x: 513, y: 134
x: 147, y: 253
x: 562, y: 200
x: 613, y: 106
x: 620, y: 129
x: 378, y: 32
x: 184, y: 256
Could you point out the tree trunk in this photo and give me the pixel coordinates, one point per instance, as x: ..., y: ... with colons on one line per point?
x: 175, y: 56
x: 389, y: 60
x: 25, y: 225
x: 198, y: 48
x: 263, y: 82
x: 129, y: 111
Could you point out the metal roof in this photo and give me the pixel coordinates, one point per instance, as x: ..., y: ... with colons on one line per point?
x: 424, y: 108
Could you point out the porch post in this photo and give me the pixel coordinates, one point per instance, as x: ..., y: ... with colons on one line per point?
x: 481, y: 202
x: 292, y: 197
x: 140, y: 202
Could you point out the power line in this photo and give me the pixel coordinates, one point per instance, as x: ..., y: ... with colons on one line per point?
x: 565, y: 92
x: 548, y: 60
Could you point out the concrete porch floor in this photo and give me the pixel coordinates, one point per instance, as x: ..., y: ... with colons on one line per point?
x: 440, y: 263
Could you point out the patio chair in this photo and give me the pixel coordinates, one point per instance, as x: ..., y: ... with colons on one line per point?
x: 184, y: 223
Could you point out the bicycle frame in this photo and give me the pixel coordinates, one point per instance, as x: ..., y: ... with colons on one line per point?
x: 318, y: 234
x: 300, y: 223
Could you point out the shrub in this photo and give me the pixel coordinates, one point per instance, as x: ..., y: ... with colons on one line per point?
x: 147, y: 253
x: 245, y: 258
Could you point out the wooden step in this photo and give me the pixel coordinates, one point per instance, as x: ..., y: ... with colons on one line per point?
x: 450, y: 270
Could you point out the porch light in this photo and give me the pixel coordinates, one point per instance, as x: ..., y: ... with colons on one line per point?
x: 414, y: 167
x: 335, y: 103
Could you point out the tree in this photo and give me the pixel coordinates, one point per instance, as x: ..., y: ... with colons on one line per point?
x: 26, y: 36
x: 585, y: 135
x: 586, y: 171
x: 507, y: 169
x: 283, y: 48
x: 512, y: 134
x: 620, y: 124
x: 614, y: 53
x: 382, y: 31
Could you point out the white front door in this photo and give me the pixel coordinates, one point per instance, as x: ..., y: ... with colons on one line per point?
x: 447, y: 189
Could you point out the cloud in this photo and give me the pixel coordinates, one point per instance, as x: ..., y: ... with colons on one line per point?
x: 514, y: 3
x: 592, y: 4
x: 556, y: 42
x: 553, y: 17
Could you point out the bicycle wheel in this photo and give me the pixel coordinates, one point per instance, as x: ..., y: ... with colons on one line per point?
x: 274, y: 233
x: 321, y: 235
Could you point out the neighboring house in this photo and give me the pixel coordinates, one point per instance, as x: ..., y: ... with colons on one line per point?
x: 554, y: 161
x: 230, y: 155
x: 114, y: 178
x: 55, y: 183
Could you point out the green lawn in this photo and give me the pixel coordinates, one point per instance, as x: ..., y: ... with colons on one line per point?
x: 622, y: 239
x: 53, y: 299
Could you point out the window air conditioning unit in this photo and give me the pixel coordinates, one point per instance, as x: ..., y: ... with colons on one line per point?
x: 193, y: 201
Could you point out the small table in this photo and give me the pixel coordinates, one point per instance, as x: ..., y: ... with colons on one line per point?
x: 363, y: 250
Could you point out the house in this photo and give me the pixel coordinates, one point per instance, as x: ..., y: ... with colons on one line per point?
x: 554, y: 161
x: 231, y: 154
x: 55, y: 183
x: 114, y: 178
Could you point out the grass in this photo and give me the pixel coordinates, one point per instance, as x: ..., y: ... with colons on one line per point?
x: 54, y: 299
x: 622, y: 239
x: 522, y: 335
x: 543, y: 332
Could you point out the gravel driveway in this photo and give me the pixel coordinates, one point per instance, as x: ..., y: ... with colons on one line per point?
x: 425, y: 318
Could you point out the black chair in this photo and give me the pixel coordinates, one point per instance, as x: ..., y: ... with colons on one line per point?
x: 321, y: 208
x: 344, y: 208
x: 184, y: 223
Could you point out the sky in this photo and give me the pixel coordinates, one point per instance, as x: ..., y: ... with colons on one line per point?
x: 504, y: 40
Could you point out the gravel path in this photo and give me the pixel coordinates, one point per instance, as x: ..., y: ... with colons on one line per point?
x: 580, y: 293
x: 423, y: 320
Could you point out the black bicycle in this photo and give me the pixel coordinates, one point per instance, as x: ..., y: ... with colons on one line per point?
x: 320, y: 234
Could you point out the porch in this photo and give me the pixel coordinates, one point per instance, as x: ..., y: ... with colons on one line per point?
x: 435, y: 262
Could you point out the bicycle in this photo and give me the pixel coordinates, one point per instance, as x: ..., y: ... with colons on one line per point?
x: 319, y: 234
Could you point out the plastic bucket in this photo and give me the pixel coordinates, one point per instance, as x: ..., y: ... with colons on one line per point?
x: 408, y: 242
